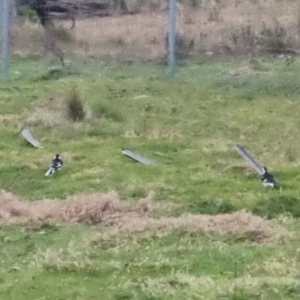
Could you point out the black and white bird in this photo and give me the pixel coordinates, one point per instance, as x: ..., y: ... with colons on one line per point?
x: 55, y: 165
x: 268, y: 179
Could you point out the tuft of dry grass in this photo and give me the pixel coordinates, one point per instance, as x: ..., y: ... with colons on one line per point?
x: 70, y: 258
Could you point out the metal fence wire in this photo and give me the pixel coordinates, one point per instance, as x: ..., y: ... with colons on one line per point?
x: 152, y: 31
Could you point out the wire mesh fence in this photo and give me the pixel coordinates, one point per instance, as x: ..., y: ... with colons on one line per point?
x: 137, y: 31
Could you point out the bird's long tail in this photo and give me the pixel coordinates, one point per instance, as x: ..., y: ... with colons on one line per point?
x: 250, y: 160
x: 50, y: 172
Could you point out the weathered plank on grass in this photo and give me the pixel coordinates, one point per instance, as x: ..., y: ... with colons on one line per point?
x: 138, y: 158
x: 249, y: 159
x: 30, y: 139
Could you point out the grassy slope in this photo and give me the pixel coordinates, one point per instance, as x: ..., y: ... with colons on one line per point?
x: 188, y: 126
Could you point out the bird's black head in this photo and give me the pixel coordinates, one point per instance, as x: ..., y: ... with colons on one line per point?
x: 57, y: 156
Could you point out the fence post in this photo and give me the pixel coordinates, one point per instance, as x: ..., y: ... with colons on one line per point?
x: 172, y: 37
x: 5, y: 7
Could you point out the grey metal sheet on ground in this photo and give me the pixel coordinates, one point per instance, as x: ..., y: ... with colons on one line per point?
x: 251, y: 161
x: 138, y: 158
x: 28, y: 137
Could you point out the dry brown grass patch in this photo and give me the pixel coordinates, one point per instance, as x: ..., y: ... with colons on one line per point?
x: 254, y: 228
x: 8, y: 119
x: 91, y: 209
x: 109, y: 210
x: 230, y: 28
x: 45, y: 117
x: 46, y: 112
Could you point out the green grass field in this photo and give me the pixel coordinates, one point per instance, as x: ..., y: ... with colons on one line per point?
x: 187, y: 125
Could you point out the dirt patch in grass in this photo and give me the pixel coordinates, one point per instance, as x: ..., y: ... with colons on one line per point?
x: 241, y: 170
x: 109, y: 210
x: 8, y: 119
